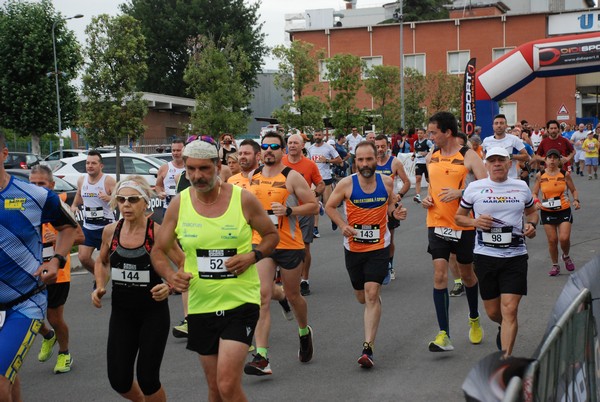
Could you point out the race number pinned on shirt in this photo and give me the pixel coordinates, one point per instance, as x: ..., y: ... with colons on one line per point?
x: 274, y: 218
x: 211, y: 263
x: 2, y: 318
x: 367, y: 234
x: 447, y: 233
x: 551, y: 203
x: 93, y: 214
x: 497, y: 237
x: 47, y: 251
x: 130, y: 277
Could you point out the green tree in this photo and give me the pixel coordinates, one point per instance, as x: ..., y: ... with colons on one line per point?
x: 383, y: 85
x: 298, y: 71
x: 444, y: 91
x: 344, y: 73
x: 27, y: 85
x: 169, y: 24
x: 215, y: 75
x: 415, y: 89
x: 421, y: 10
x: 115, y: 58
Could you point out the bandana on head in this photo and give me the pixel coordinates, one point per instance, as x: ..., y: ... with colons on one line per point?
x: 134, y: 185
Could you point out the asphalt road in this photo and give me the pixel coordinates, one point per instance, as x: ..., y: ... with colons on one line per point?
x: 404, y: 368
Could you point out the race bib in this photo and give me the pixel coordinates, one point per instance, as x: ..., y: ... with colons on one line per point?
x: 551, y: 203
x: 130, y: 276
x: 93, y: 214
x: 497, y: 237
x: 211, y: 263
x: 447, y: 233
x: 367, y: 234
x: 274, y: 218
x: 2, y: 318
x: 47, y: 251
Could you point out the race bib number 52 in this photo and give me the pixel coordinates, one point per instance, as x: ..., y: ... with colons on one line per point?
x: 211, y: 263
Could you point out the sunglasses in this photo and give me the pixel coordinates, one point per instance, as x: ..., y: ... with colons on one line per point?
x: 133, y: 199
x: 205, y: 138
x: 274, y: 147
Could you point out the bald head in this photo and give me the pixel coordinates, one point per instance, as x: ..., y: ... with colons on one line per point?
x: 296, y: 138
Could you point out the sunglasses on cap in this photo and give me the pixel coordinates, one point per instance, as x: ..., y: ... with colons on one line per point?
x: 133, y: 199
x: 205, y: 138
x: 274, y: 147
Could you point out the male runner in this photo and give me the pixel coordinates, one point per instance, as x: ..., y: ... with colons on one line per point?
x: 422, y: 147
x: 511, y: 143
x: 448, y: 166
x: 166, y: 185
x: 369, y: 200
x: 285, y: 195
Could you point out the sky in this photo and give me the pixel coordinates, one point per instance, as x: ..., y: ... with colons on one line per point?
x: 271, y: 11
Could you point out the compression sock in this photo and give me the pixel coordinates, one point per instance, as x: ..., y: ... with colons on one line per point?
x: 442, y: 305
x: 473, y: 300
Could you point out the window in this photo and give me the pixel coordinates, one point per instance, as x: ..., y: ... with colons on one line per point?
x: 500, y: 51
x: 109, y: 165
x: 369, y: 63
x: 457, y: 61
x: 509, y: 109
x: 323, y: 70
x: 136, y: 166
x: 415, y: 61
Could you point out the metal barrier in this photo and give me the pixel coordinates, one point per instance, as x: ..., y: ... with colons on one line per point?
x: 564, y: 368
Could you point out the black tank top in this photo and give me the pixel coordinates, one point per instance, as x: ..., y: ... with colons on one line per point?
x: 132, y: 273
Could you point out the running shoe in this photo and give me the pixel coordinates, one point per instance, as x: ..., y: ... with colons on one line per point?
x: 475, y: 332
x: 63, y: 363
x: 321, y: 209
x: 595, y: 175
x: 366, y: 358
x: 441, y: 343
x: 286, y: 310
x: 581, y: 174
x: 388, y: 278
x: 458, y: 289
x: 304, y: 288
x: 590, y: 177
x: 333, y: 226
x: 305, y: 353
x: 392, y: 274
x: 555, y: 270
x: 258, y: 366
x: 251, y: 348
x: 499, y: 339
x: 181, y: 330
x: 568, y: 263
x: 47, y: 348
x: 417, y: 198
x: 316, y: 233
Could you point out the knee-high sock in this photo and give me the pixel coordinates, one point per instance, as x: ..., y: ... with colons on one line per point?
x: 442, y: 305
x: 473, y: 300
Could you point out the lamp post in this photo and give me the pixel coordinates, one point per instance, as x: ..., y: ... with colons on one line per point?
x: 60, y: 141
x: 399, y: 16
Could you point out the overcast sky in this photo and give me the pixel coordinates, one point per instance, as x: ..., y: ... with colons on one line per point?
x: 271, y: 11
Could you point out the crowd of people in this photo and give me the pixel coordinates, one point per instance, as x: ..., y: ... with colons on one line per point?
x: 237, y: 234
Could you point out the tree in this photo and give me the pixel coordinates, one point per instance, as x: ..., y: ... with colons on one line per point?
x: 298, y: 71
x: 344, y: 73
x: 27, y: 85
x: 169, y: 24
x: 444, y: 91
x: 421, y: 10
x: 113, y: 108
x: 415, y: 89
x: 383, y: 85
x: 215, y: 75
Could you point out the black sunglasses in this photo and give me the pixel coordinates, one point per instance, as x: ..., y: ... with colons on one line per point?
x: 274, y: 147
x: 133, y: 199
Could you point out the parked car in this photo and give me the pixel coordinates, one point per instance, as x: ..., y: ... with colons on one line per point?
x: 165, y: 156
x: 70, y: 169
x: 60, y: 186
x: 23, y: 160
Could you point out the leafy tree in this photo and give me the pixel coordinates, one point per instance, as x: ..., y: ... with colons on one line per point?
x: 27, y: 85
x: 383, y: 85
x: 344, y: 73
x: 415, y: 89
x: 113, y: 108
x: 169, y: 24
x: 298, y: 71
x: 444, y: 91
x: 422, y: 10
x: 215, y: 75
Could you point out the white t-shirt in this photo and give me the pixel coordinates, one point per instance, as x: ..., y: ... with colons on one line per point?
x: 536, y: 139
x: 328, y: 152
x: 577, y: 139
x: 510, y: 143
x: 353, y: 142
x: 506, y: 202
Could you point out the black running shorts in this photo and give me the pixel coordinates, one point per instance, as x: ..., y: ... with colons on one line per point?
x: 57, y: 294
x: 370, y: 266
x: 463, y: 248
x: 556, y: 217
x: 501, y: 275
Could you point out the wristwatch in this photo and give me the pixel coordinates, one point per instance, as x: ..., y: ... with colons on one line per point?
x: 288, y: 211
x: 257, y: 255
x: 62, y: 261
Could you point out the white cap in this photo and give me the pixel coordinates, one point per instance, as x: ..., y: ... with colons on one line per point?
x: 497, y: 151
x: 201, y: 150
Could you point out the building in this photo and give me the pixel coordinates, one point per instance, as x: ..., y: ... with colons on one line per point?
x: 486, y: 30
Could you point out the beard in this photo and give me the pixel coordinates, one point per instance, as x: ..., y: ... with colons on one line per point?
x: 269, y: 162
x: 366, y: 171
x: 209, y: 183
x: 318, y: 140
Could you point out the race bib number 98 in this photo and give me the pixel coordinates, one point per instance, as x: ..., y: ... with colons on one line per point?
x: 497, y: 237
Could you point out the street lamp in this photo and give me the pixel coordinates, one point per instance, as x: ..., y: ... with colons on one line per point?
x: 60, y: 141
x: 399, y: 16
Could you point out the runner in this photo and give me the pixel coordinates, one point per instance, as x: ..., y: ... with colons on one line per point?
x: 556, y: 215
x: 166, y: 185
x: 498, y: 203
x: 93, y: 191
x: 41, y: 175
x: 555, y: 141
x: 422, y: 148
x: 448, y: 167
x: 139, y: 318
x: 309, y: 170
x: 513, y: 145
x: 24, y: 207
x: 213, y: 222
x: 389, y: 165
x: 591, y: 147
x: 369, y: 199
x: 285, y: 195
